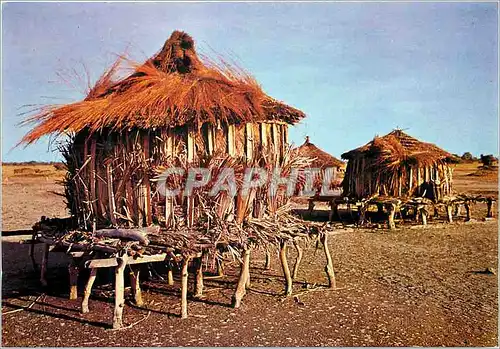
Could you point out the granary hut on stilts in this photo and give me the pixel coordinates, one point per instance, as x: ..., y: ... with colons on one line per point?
x: 175, y: 110
x: 398, y: 170
x: 322, y: 161
x: 173, y: 105
x: 398, y: 165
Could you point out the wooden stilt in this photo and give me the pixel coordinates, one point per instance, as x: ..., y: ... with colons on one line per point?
x: 135, y: 284
x: 170, y: 276
x: 43, y: 267
x: 457, y: 210
x: 449, y: 209
x: 286, y: 270
x: 119, y: 292
x: 241, y: 287
x: 248, y: 283
x: 300, y: 253
x: 199, y: 278
x: 311, y: 207
x: 423, y: 213
x: 391, y: 211
x: 267, y: 266
x: 467, y: 212
x: 329, y: 264
x: 73, y: 280
x: 489, y: 203
x: 88, y: 290
x: 184, y: 287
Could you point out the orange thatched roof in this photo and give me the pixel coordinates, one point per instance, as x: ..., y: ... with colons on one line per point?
x: 322, y: 158
x: 397, y: 147
x: 173, y: 88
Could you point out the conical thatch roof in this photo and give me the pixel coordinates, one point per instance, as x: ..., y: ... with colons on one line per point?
x: 322, y: 158
x: 173, y: 88
x: 397, y: 147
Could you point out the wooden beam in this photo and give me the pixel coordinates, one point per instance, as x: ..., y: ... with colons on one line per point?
x: 112, y: 262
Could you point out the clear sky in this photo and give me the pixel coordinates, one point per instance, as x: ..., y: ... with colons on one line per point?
x: 355, y: 69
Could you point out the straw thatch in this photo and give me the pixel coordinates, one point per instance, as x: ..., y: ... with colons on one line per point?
x: 174, y: 110
x: 321, y: 158
x: 398, y: 165
x: 173, y: 88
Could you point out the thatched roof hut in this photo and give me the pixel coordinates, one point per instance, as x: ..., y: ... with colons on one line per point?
x: 321, y: 158
x: 398, y: 165
x: 173, y: 105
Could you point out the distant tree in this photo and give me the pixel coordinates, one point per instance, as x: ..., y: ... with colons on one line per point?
x: 467, y: 156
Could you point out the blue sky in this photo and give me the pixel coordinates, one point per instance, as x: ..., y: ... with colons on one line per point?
x: 355, y: 69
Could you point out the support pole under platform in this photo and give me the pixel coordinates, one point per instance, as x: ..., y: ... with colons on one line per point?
x: 241, y: 287
x: 330, y: 274
x: 286, y: 270
x: 119, y: 292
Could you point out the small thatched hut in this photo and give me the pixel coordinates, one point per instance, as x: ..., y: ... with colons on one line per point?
x: 398, y: 165
x: 173, y: 105
x: 321, y: 158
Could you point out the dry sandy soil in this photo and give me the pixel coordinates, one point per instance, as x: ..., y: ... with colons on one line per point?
x: 410, y: 287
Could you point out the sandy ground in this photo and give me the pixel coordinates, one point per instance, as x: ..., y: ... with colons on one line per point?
x: 410, y: 287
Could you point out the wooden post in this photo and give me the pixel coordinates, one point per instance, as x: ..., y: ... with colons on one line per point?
x: 43, y: 267
x: 135, y: 284
x: 391, y: 211
x: 467, y: 211
x: 286, y: 270
x: 267, y: 265
x: 230, y: 140
x: 249, y: 140
x: 190, y: 210
x: 119, y: 292
x: 457, y: 210
x: 418, y: 181
x: 210, y: 139
x: 449, y: 209
x: 190, y: 144
x: 248, y: 283
x: 88, y: 290
x: 111, y: 194
x: 241, y: 287
x: 93, y: 195
x: 73, y: 280
x: 362, y: 213
x: 423, y: 213
x: 184, y: 287
x: 329, y: 264
x: 311, y: 207
x: 199, y: 278
x: 170, y: 275
x: 410, y: 184
x: 300, y: 253
x: 263, y: 135
x: 489, y: 203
